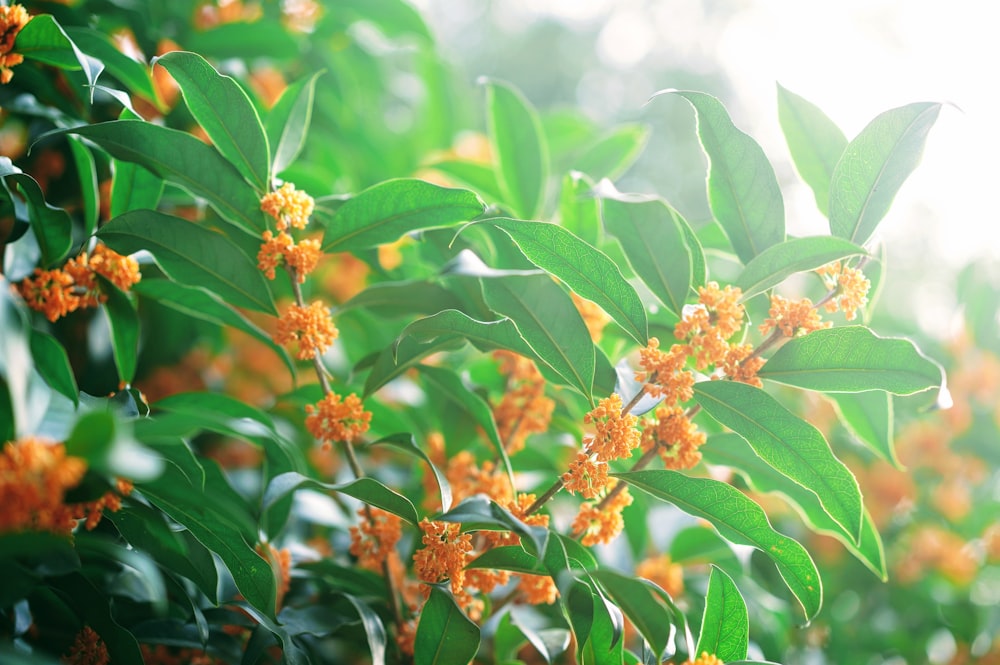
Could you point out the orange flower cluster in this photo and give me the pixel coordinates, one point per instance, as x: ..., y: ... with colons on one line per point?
x: 88, y: 649
x: 310, y: 325
x: 593, y: 316
x: 334, y: 419
x: 467, y: 478
x: 663, y: 372
x: 12, y: 19
x: 524, y: 409
x: 34, y: 478
x: 741, y: 365
x: 615, y: 434
x: 792, y: 317
x: 443, y: 557
x: 58, y: 292
x: 707, y: 326
x: 373, y: 541
x: 704, y: 659
x: 936, y: 548
x: 211, y: 14
x: 675, y: 437
x: 851, y: 288
x: 586, y: 476
x: 281, y: 564
x: 668, y: 575
x: 301, y: 257
x: 602, y: 525
x: 288, y: 207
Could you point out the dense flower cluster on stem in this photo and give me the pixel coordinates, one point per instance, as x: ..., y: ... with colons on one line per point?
x: 675, y: 438
x: 850, y: 286
x: 443, y: 557
x: 373, y: 541
x: 524, y: 409
x: 88, y: 649
x: 337, y: 419
x: 663, y: 372
x: 309, y: 325
x: 12, y: 19
x: 602, y: 525
x: 615, y: 434
x: 56, y: 293
x: 792, y: 317
x: 288, y: 207
x: 708, y: 325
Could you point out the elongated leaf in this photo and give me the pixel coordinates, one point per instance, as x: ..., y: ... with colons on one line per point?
x: 725, y: 625
x: 604, y: 645
x: 386, y: 211
x: 224, y: 111
x: 485, y: 335
x: 547, y: 319
x: 192, y: 255
x: 396, y: 359
x: 288, y: 122
x: 367, y: 490
x: 132, y: 73
x: 874, y: 166
x: 51, y: 361
x: 481, y: 178
x: 579, y: 207
x: 52, y: 226
x: 522, y: 161
x: 733, y: 451
x: 481, y: 512
x: 445, y: 636
x: 133, y: 187
x: 654, y: 243
x: 612, y: 154
x: 509, y: 557
x: 406, y: 443
x: 374, y: 629
x: 201, y: 304
x: 183, y: 160
x: 123, y: 320
x: 776, y: 263
x: 87, y: 174
x: 403, y: 298
x: 814, y: 141
x: 643, y: 606
x: 218, y: 406
x: 869, y: 417
x: 583, y: 268
x: 44, y: 40
x: 852, y: 359
x: 742, y: 188
x: 739, y: 520
x: 788, y: 443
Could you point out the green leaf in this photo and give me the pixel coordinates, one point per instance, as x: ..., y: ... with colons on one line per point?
x: 220, y: 407
x: 224, y: 111
x: 445, y: 636
x: 869, y: 417
x: 604, y: 645
x: 641, y: 602
x: 51, y: 361
x: 583, y: 268
x: 406, y: 443
x: 522, y: 161
x: 547, y: 319
x: 725, y: 625
x: 396, y: 359
x: 132, y: 73
x: 123, y: 320
x: 874, y: 166
x: 182, y: 160
x: 788, y: 443
x: 814, y: 141
x: 776, y: 263
x: 478, y: 177
x: 288, y: 122
x: 192, y: 255
x: 480, y: 512
x: 733, y: 451
x: 92, y: 437
x: 367, y: 490
x: 509, y: 557
x: 222, y: 522
x: 43, y: 40
x: 133, y: 188
x: 852, y: 359
x: 239, y: 39
x: 87, y: 174
x: 374, y: 629
x: 201, y: 304
x: 579, y: 207
x: 52, y: 226
x: 484, y: 335
x: 386, y: 211
x: 402, y: 298
x: 650, y: 232
x: 742, y: 188
x: 613, y: 154
x: 739, y: 520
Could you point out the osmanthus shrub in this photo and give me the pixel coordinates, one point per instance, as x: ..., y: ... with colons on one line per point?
x: 491, y: 413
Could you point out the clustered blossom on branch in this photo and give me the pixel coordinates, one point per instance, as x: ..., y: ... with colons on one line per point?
x: 12, y: 19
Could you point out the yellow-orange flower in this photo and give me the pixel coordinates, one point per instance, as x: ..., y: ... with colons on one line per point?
x: 12, y: 19
x: 34, y: 478
x: 738, y: 364
x: 88, y: 649
x: 524, y: 409
x: 593, y: 316
x: 704, y: 659
x: 332, y: 419
x: 467, y: 478
x: 122, y: 271
x: 851, y: 288
x: 792, y: 317
x: 444, y: 554
x: 301, y: 257
x: 288, y: 207
x: 310, y: 325
x: 664, y: 572
x: 675, y: 437
x: 281, y: 564
x: 602, y: 525
x: 586, y: 476
x: 537, y: 589
x: 374, y: 540
x: 615, y: 434
x: 664, y: 373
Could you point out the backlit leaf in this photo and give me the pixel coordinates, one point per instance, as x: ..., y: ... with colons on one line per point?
x: 445, y: 636
x: 778, y: 262
x: 366, y: 489
x: 725, y: 624
x: 642, y: 605
x: 869, y: 417
x: 288, y: 122
x: 522, y: 161
x: 612, y: 154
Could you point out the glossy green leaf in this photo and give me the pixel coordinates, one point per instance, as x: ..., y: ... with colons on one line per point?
x: 642, y: 604
x: 583, y: 268
x: 549, y: 642
x: 192, y: 255
x: 650, y: 233
x: 522, y: 161
x: 182, y: 160
x: 509, y: 557
x: 51, y: 361
x: 548, y: 320
x: 52, y: 226
x: 874, y: 166
x: 725, y: 624
x: 396, y: 359
x: 788, y: 443
x: 814, y: 141
x: 224, y: 111
x: 445, y: 636
x: 386, y: 211
x: 869, y: 417
x: 580, y: 208
x: 288, y: 122
x: 87, y: 175
x: 852, y: 359
x: 480, y: 512
x: 44, y: 40
x: 367, y: 490
x: 406, y: 443
x: 700, y: 545
x: 204, y: 305
x: 133, y: 188
x: 481, y: 178
x: 613, y: 154
x: 485, y: 335
x: 403, y: 298
x: 604, y: 645
x: 134, y: 74
x: 221, y: 407
x: 740, y: 521
x: 742, y: 188
x: 374, y: 629
x: 240, y: 39
x: 123, y: 321
x: 778, y: 262
x: 92, y: 437
x: 733, y: 451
